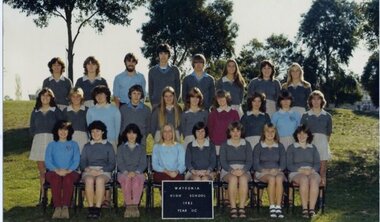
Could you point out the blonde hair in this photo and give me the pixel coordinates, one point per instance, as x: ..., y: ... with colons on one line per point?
x: 289, y: 81
x: 239, y: 80
x: 270, y: 126
x: 162, y: 133
x: 162, y: 108
x: 79, y: 91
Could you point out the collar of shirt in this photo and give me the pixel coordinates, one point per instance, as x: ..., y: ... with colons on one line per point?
x: 70, y: 108
x: 131, y: 145
x: 296, y: 145
x: 196, y: 76
x: 60, y: 78
x: 192, y: 111
x: 50, y: 109
x: 226, y: 109
x: 163, y: 68
x: 283, y: 111
x: 102, y: 106
x: 85, y: 78
x: 264, y: 145
x: 92, y: 142
x: 196, y: 144
x: 241, y: 143
x: 225, y: 79
x: 251, y: 113
x: 310, y: 112
x: 295, y: 85
x: 169, y: 108
x: 139, y: 106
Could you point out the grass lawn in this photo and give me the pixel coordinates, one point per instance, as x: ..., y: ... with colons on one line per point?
x: 353, y: 176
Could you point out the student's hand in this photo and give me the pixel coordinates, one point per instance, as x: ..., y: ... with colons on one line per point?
x: 195, y: 172
x: 238, y: 172
x: 274, y: 172
x: 131, y: 174
x: 60, y: 172
x: 173, y: 174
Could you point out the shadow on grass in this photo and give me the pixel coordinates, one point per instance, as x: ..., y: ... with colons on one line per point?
x: 16, y: 141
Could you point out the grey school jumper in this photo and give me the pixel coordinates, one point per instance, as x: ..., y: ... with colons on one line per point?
x: 269, y: 158
x: 60, y: 88
x: 170, y: 118
x: 44, y: 122
x: 158, y: 79
x: 77, y: 119
x: 87, y: 86
x: 237, y: 92
x: 236, y: 155
x: 206, y: 84
x: 200, y: 159
x: 139, y: 115
x: 131, y: 160
x: 189, y: 119
x: 318, y: 124
x: 300, y: 95
x: 98, y: 154
x: 253, y: 124
x: 297, y: 157
x: 270, y: 88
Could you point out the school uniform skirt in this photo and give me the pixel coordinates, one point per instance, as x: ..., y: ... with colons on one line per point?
x: 293, y: 174
x: 39, y: 144
x: 322, y: 144
x: 188, y: 139
x: 270, y: 107
x: 286, y: 141
x: 224, y: 173
x: 253, y: 140
x: 81, y: 138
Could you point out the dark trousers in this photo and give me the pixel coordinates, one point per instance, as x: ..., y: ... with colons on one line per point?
x: 62, y: 187
x: 158, y: 177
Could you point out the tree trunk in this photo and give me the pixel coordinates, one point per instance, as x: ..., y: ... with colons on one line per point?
x: 70, y: 43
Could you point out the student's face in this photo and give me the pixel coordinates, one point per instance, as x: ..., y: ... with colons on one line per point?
x: 62, y: 134
x: 295, y: 73
x: 270, y: 133
x: 256, y: 103
x: 167, y: 134
x: 57, y: 68
x: 130, y: 65
x: 194, y: 101
x: 231, y: 68
x: 200, y: 134
x: 316, y: 101
x: 222, y: 101
x: 76, y: 99
x: 131, y: 136
x: 135, y: 97
x: 302, y: 137
x: 101, y: 98
x: 169, y: 98
x: 267, y: 71
x: 164, y: 57
x: 235, y: 134
x: 97, y: 135
x: 285, y: 103
x: 45, y: 99
x: 198, y: 66
x: 91, y: 67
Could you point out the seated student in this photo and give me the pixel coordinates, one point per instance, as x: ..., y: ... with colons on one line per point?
x: 131, y: 163
x: 97, y: 162
x: 269, y: 160
x: 168, y: 158
x: 236, y: 161
x: 200, y: 155
x: 303, y: 162
x: 62, y: 159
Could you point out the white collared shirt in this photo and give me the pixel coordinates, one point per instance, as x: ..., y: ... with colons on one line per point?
x: 308, y: 145
x: 226, y: 109
x: 85, y: 78
x: 310, y: 112
x: 264, y: 145
x: 70, y: 108
x: 92, y: 142
x: 50, y: 109
x: 60, y: 78
x: 242, y: 142
x: 225, y: 79
x: 296, y: 85
x: 196, y: 144
x: 251, y: 113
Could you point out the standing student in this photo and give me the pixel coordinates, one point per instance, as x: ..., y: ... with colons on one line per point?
x: 285, y: 119
x: 200, y: 79
x: 167, y: 112
x: 105, y: 112
x: 298, y: 87
x: 193, y: 114
x: 90, y: 79
x: 320, y: 124
x: 168, y: 157
x: 220, y: 117
x: 255, y: 118
x: 236, y: 161
x: 233, y: 82
x: 126, y: 79
x: 62, y: 159
x: 200, y: 155
x: 135, y: 111
x: 303, y: 162
x: 75, y: 113
x: 269, y: 161
x: 59, y: 84
x: 131, y: 164
x: 267, y: 84
x: 97, y: 162
x: 43, y: 117
x: 162, y: 75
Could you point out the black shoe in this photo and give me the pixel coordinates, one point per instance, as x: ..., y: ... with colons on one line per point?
x: 91, y: 213
x: 97, y: 212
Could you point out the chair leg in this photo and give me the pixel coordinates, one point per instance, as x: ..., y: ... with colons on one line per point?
x: 258, y: 199
x: 293, y: 200
x: 147, y: 198
x: 44, y: 199
x: 115, y: 198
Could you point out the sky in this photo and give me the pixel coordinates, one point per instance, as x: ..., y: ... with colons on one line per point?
x: 27, y: 49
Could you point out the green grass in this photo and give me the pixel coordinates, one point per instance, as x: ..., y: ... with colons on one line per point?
x: 352, y: 193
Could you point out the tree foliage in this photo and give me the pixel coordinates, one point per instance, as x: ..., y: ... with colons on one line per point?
x: 370, y: 78
x: 95, y: 13
x: 370, y: 12
x: 189, y: 27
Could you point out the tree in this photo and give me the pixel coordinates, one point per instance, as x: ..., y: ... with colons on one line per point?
x: 18, y: 87
x: 370, y: 12
x: 189, y: 27
x: 330, y: 30
x: 370, y: 78
x: 94, y: 13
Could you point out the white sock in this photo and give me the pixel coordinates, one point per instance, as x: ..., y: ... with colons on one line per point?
x: 272, y: 206
x: 278, y: 207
